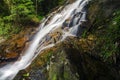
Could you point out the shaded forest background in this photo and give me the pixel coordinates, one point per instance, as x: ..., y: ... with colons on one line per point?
x: 16, y: 14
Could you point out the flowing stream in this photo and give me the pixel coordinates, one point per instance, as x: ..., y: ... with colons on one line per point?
x: 69, y: 20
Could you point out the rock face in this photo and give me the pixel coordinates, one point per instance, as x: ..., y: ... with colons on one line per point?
x: 104, y: 18
x: 68, y: 61
x: 71, y: 62
x: 101, y: 11
x: 11, y: 49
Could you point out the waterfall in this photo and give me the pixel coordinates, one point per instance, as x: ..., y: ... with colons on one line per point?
x: 73, y: 15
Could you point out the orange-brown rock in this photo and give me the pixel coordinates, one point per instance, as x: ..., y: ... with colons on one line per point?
x: 11, y: 55
x: 13, y: 47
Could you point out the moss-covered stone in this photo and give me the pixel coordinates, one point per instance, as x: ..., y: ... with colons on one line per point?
x: 69, y: 61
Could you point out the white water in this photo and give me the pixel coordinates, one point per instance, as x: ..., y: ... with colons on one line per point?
x: 9, y: 71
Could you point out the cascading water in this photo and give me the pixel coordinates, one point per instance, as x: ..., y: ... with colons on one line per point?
x: 76, y: 14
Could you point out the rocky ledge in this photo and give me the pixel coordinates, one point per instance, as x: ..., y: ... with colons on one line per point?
x: 69, y: 61
x: 11, y: 49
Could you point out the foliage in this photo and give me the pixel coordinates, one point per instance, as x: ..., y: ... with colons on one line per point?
x: 44, y: 6
x: 22, y: 11
x: 26, y: 74
x: 7, y: 29
x: 14, y: 14
x: 110, y: 39
x: 4, y: 10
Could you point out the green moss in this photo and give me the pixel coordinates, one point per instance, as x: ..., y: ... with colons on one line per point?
x: 42, y: 60
x: 7, y: 28
x: 26, y: 75
x: 109, y: 37
x: 66, y: 75
x: 54, y: 77
x: 105, y: 25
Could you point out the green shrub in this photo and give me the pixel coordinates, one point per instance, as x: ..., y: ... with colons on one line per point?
x: 111, y: 37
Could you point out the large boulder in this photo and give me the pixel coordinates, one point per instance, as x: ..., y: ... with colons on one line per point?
x: 69, y: 61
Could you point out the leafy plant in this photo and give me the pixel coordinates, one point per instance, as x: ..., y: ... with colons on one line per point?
x: 110, y: 39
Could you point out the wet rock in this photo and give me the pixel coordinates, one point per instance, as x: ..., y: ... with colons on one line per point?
x: 13, y: 47
x: 48, y: 37
x: 37, y: 75
x: 2, y: 39
x: 53, y: 37
x: 66, y: 23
